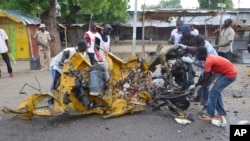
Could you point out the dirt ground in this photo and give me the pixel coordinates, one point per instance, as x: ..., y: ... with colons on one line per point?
x: 143, y: 126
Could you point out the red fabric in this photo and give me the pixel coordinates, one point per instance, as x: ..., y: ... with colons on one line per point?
x: 220, y: 65
x: 98, y: 55
x: 87, y: 37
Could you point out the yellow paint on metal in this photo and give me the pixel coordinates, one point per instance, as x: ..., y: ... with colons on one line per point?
x: 21, y: 41
x: 113, y: 102
x: 18, y: 40
x: 5, y: 18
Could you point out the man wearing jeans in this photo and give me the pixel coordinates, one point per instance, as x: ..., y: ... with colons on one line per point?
x: 227, y: 75
x: 202, y: 93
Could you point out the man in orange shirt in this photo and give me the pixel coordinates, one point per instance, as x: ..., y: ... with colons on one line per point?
x: 228, y: 74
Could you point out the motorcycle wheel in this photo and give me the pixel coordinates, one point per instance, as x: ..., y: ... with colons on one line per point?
x: 181, y: 103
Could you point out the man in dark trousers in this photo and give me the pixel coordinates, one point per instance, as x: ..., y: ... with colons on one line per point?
x: 4, y: 50
x: 90, y: 37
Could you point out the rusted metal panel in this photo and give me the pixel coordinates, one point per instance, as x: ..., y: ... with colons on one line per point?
x: 33, y: 44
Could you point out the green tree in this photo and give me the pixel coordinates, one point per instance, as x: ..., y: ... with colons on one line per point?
x: 213, y: 4
x: 70, y: 11
x: 165, y: 4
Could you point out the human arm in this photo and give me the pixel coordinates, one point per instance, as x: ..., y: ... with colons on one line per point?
x: 229, y: 35
x: 65, y: 56
x: 7, y: 45
x: 171, y: 39
x: 201, y: 81
x: 97, y: 49
x: 87, y: 38
x: 186, y: 47
x: 205, y: 78
x: 223, y: 45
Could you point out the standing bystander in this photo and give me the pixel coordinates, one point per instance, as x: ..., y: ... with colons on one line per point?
x: 226, y: 40
x: 4, y: 50
x: 194, y: 31
x: 102, y: 43
x: 176, y: 33
x: 43, y: 38
x: 90, y: 36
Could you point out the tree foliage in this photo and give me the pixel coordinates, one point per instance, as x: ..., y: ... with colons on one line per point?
x: 74, y: 10
x: 165, y: 4
x: 71, y: 11
x: 213, y: 4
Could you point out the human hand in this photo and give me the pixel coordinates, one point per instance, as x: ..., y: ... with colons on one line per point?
x: 187, y: 59
x: 61, y: 63
x: 170, y: 41
x: 182, y: 46
x: 191, y: 87
x: 175, y: 46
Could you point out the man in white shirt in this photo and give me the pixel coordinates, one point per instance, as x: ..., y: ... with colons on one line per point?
x: 175, y: 33
x: 194, y: 31
x: 226, y: 40
x: 102, y: 43
x: 90, y: 38
x: 58, y: 61
x: 4, y: 50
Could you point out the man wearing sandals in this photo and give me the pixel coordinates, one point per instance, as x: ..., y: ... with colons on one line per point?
x: 227, y: 75
x: 202, y: 93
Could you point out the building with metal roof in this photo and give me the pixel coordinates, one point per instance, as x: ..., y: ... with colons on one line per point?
x: 20, y: 28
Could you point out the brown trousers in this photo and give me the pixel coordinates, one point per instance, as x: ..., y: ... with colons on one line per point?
x: 44, y: 54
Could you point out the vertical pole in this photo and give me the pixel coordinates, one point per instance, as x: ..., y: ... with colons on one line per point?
x: 134, y: 29
x: 143, y: 30
x: 221, y: 16
x: 220, y: 23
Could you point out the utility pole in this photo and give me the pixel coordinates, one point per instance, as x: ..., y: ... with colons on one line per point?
x: 134, y: 29
x: 143, y: 30
x: 221, y: 5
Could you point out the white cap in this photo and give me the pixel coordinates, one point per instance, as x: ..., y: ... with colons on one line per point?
x: 42, y: 25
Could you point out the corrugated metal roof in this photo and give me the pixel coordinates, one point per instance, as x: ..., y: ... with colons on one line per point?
x: 198, y: 20
x: 165, y: 13
x: 26, y: 19
x: 167, y: 18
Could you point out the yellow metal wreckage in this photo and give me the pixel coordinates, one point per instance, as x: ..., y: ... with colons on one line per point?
x: 111, y: 89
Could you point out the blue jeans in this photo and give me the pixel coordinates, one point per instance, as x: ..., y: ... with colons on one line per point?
x: 55, y: 78
x: 226, y: 55
x: 204, y: 89
x: 214, y: 96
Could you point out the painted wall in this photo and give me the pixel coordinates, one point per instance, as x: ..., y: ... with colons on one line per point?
x: 18, y: 40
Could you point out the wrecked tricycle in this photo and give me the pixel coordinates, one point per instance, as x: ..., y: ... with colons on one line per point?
x: 112, y: 88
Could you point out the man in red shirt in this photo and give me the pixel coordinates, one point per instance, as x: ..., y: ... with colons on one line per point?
x: 228, y: 74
